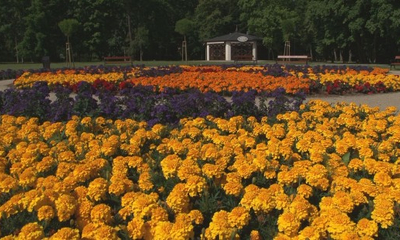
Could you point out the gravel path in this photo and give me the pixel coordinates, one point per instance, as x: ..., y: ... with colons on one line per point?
x: 381, y: 100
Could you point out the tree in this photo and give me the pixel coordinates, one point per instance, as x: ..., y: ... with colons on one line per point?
x: 12, y: 28
x: 141, y: 40
x: 184, y: 27
x: 68, y: 27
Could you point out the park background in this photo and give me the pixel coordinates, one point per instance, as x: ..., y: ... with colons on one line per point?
x: 359, y: 31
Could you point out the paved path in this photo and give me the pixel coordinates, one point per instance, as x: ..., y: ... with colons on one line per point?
x: 381, y: 100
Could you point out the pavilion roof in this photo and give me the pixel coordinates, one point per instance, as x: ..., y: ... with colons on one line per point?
x: 233, y: 37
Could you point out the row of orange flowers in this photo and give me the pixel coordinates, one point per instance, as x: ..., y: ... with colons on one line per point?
x: 324, y: 172
x: 218, y: 79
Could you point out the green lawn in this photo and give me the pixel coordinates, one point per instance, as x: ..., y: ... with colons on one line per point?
x: 26, y: 66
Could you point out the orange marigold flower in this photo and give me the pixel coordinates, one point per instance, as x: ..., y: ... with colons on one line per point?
x: 219, y: 227
x: 32, y: 231
x: 101, y: 214
x: 178, y: 199
x: 66, y: 233
x: 46, y: 213
x: 367, y: 228
x: 170, y: 165
x: 288, y: 224
x: 238, y: 217
x: 97, y: 189
x: 304, y: 190
x: 382, y: 179
x: 65, y: 206
x: 383, y: 212
x: 136, y: 228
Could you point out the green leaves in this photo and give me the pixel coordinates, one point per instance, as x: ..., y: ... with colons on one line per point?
x: 68, y: 26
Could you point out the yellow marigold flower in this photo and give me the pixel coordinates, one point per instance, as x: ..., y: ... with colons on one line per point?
x: 349, y: 236
x: 187, y: 168
x: 136, y: 228
x: 159, y: 214
x: 170, y: 165
x: 45, y: 165
x: 264, y: 201
x: 316, y: 177
x: 66, y: 233
x: 343, y: 202
x: 196, y: 216
x: 304, y: 190
x: 101, y: 214
x: 46, y: 213
x: 250, y: 193
x: 383, y: 212
x: 367, y: 186
x: 356, y: 164
x: 31, y: 231
x: 211, y: 170
x: 120, y: 185
x: 367, y: 228
x: 233, y: 187
x: 144, y: 181
x: 219, y: 227
x: 143, y: 204
x: 162, y: 230
x: 382, y: 179
x: 358, y: 197
x: 238, y: 217
x: 86, y: 122
x: 97, y: 189
x: 255, y: 235
x: 94, y: 231
x: 84, y: 209
x: 65, y: 207
x: 340, y: 223
x: 28, y: 177
x: 178, y: 199
x: 282, y: 201
x: 7, y: 183
x: 195, y: 185
x: 182, y: 227
x: 288, y: 224
x: 310, y: 233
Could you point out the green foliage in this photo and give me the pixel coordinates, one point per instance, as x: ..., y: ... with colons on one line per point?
x: 356, y: 30
x: 184, y: 26
x: 68, y: 26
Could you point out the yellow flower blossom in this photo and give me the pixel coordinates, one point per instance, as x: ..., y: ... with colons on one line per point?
x: 101, y: 214
x: 136, y: 228
x: 31, y: 231
x: 46, y: 213
x: 238, y: 217
x: 97, y: 189
x: 367, y: 228
x: 66, y: 233
x: 65, y: 207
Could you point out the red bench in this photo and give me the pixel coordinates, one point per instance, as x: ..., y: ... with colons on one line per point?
x: 116, y: 59
x: 395, y: 63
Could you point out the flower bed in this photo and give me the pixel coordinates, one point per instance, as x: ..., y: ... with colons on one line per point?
x: 227, y: 78
x: 140, y: 153
x: 322, y: 172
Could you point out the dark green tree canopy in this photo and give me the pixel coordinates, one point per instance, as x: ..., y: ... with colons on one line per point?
x: 364, y: 31
x: 68, y: 26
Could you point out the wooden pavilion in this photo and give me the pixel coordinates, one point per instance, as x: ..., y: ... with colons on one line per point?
x: 233, y: 46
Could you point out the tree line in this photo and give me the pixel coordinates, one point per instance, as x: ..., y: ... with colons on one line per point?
x: 365, y: 31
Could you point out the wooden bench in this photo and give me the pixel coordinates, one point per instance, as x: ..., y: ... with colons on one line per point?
x: 395, y: 62
x: 117, y: 59
x: 247, y: 57
x: 293, y: 59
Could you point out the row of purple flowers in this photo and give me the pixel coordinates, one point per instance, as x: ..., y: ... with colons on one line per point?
x: 141, y: 103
